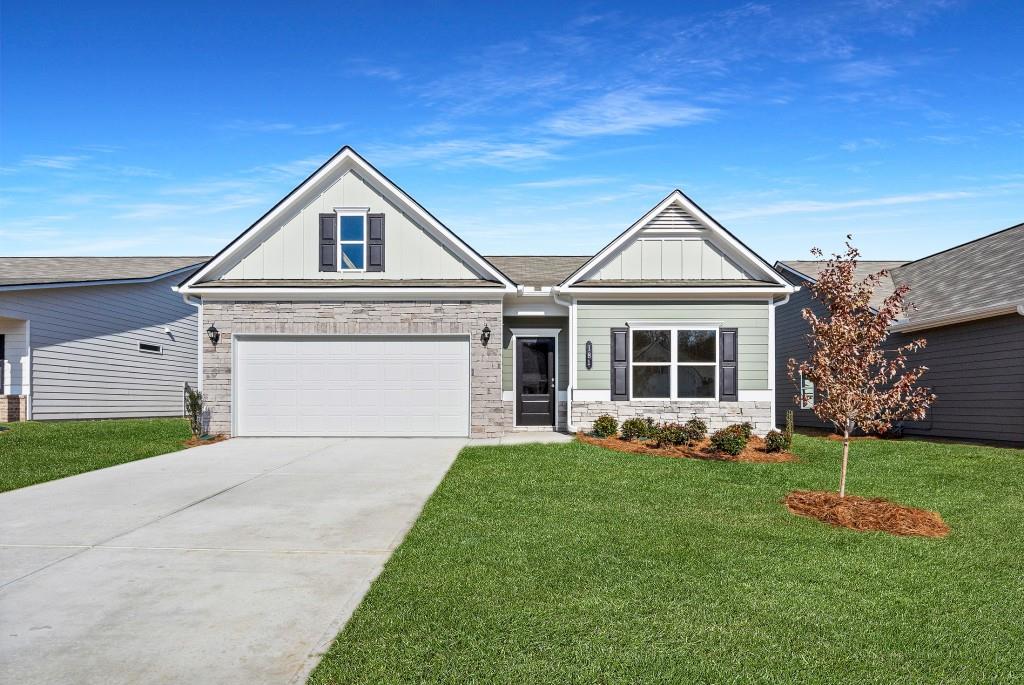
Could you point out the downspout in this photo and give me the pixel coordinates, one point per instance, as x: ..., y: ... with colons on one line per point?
x: 772, y: 364
x: 571, y: 306
x: 198, y: 304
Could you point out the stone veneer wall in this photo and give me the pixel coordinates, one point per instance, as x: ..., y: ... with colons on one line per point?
x: 13, y: 408
x: 434, y: 317
x: 717, y: 415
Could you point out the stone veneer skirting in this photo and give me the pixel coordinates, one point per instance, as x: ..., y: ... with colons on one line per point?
x: 13, y: 408
x: 434, y: 317
x: 560, y: 418
x: 717, y: 415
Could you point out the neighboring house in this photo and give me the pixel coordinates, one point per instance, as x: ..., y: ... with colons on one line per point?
x: 348, y: 309
x: 968, y: 303
x: 94, y: 337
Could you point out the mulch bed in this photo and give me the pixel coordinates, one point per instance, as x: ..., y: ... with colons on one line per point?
x: 209, y: 440
x: 753, y: 453
x: 864, y: 514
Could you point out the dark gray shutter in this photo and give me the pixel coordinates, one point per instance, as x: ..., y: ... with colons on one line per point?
x: 375, y: 243
x: 620, y: 364
x: 328, y: 242
x: 728, y: 367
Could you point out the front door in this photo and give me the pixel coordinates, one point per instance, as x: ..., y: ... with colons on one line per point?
x: 535, y: 381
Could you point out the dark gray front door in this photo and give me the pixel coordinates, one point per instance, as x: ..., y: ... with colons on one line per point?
x: 535, y: 381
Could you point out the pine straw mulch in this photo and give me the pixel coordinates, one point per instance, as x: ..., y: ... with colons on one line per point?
x: 864, y: 514
x: 209, y: 440
x: 754, y: 452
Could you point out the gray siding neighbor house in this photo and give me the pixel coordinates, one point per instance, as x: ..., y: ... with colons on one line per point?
x: 969, y: 306
x: 349, y: 309
x: 95, y: 337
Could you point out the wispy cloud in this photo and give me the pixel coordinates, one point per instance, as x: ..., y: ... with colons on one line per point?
x: 626, y: 111
x: 568, y: 182
x: 862, y: 144
x: 862, y: 71
x: 375, y: 71
x: 249, y: 126
x: 61, y: 162
x: 466, y: 152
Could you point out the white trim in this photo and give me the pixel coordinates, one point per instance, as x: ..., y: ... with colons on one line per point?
x: 533, y: 333
x: 346, y: 156
x: 950, y: 319
x: 109, y: 281
x: 677, y: 197
x: 343, y: 294
x: 592, y: 395
x: 31, y: 380
x: 735, y: 292
x: 754, y: 396
x: 364, y: 214
x: 673, y: 364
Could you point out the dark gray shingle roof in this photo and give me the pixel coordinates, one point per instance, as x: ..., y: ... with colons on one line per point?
x: 865, y: 268
x: 52, y: 270
x: 545, y: 270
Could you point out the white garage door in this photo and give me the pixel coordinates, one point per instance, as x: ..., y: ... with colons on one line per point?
x: 352, y: 386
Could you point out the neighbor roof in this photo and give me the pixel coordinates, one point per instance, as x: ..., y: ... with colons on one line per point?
x: 547, y: 270
x: 57, y: 270
x: 983, y: 275
x: 810, y: 270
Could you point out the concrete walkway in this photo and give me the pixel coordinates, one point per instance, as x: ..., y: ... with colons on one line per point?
x: 231, y: 563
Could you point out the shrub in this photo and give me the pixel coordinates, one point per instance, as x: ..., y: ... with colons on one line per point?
x: 696, y: 430
x: 746, y: 428
x: 637, y: 428
x: 788, y: 433
x: 775, y: 441
x: 195, y: 405
x: 671, y: 434
x: 731, y: 439
x: 605, y: 426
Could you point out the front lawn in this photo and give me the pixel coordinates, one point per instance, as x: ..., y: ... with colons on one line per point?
x: 39, y: 451
x: 575, y: 564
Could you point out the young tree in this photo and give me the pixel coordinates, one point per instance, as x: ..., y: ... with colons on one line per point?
x: 858, y: 383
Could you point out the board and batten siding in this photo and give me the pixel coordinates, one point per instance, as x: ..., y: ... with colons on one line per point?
x: 85, y: 357
x: 292, y: 250
x: 508, y: 382
x: 595, y: 320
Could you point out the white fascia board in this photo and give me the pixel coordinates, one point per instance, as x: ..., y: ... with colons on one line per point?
x: 744, y: 253
x: 111, y: 281
x: 935, y: 322
x: 698, y: 292
x: 348, y: 156
x: 342, y: 294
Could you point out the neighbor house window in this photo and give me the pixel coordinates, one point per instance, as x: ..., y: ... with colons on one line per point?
x: 806, y: 392
x: 674, y: 363
x: 351, y: 240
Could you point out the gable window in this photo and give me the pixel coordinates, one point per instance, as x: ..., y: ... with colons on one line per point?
x: 674, y: 363
x: 806, y: 392
x: 351, y: 239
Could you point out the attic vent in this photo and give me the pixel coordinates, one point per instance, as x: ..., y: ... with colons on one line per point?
x: 151, y: 348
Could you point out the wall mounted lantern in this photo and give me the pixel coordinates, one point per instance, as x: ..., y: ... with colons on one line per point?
x: 213, y: 333
x: 485, y: 335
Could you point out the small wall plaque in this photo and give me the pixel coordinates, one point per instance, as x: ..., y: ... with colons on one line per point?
x: 590, y: 355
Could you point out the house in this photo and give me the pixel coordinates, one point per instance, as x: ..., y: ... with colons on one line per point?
x: 968, y: 303
x: 349, y: 309
x: 94, y: 337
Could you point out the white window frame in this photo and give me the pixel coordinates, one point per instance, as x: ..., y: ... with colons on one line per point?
x: 674, y: 362
x: 363, y: 213
x: 804, y: 403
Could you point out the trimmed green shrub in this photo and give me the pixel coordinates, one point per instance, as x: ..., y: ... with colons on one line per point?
x: 774, y: 441
x: 788, y: 433
x: 195, y: 405
x: 671, y: 434
x: 730, y: 440
x: 747, y: 429
x: 696, y: 430
x: 637, y: 428
x: 605, y: 426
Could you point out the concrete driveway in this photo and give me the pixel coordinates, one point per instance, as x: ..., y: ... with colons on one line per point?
x: 230, y: 563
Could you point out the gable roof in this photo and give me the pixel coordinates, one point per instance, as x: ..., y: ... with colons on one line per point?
x: 57, y: 271
x: 343, y: 160
x: 808, y: 270
x: 758, y: 265
x: 541, y: 270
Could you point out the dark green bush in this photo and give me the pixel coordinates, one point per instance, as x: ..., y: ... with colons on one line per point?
x: 730, y: 440
x: 746, y: 428
x: 671, y: 434
x: 605, y: 426
x: 696, y: 430
x: 775, y: 441
x: 637, y: 428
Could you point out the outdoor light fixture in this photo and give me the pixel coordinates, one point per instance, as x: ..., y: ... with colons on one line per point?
x: 485, y: 335
x: 213, y: 333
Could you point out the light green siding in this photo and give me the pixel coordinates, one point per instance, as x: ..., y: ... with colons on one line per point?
x: 562, y: 323
x: 596, y: 319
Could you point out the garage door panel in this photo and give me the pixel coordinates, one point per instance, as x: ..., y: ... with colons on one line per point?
x: 352, y: 386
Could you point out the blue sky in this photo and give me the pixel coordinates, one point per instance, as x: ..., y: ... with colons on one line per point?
x: 526, y: 128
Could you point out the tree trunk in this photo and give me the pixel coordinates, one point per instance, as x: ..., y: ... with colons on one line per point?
x: 846, y: 456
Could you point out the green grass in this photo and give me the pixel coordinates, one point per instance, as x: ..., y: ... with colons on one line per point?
x: 575, y: 564
x: 39, y: 451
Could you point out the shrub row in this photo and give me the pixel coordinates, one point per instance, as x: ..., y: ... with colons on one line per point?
x: 730, y: 440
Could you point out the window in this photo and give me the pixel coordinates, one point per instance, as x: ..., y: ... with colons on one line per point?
x: 151, y: 348
x: 674, y: 363
x: 351, y: 240
x: 806, y: 392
